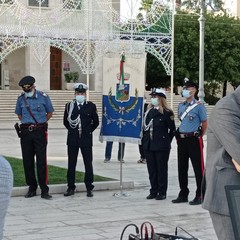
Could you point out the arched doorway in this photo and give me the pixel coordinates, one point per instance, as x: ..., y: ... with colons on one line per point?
x: 55, y: 68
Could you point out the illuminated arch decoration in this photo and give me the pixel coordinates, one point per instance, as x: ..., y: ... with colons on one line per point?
x: 36, y: 16
x: 102, y: 31
x: 130, y: 22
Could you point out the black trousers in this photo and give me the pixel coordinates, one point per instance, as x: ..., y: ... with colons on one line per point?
x: 190, y: 147
x: 72, y: 162
x: 34, y: 143
x: 141, y: 151
x: 157, y: 164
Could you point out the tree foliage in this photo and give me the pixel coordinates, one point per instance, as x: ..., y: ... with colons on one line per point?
x: 221, y: 51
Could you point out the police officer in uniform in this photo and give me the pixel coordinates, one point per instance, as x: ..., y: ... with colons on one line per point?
x: 80, y: 119
x: 193, y: 117
x: 158, y: 132
x: 34, y: 109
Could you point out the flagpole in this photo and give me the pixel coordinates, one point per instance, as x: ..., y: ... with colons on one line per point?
x: 121, y: 87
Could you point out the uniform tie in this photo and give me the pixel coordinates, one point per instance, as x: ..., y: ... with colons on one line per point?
x: 79, y: 106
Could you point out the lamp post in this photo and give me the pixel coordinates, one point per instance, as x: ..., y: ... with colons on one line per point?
x: 201, y: 20
x: 172, y: 53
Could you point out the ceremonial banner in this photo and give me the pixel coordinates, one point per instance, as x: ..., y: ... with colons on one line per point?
x: 122, y: 101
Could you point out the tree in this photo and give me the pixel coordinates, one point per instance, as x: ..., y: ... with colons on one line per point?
x: 222, y: 48
x: 146, y: 5
x: 222, y: 52
x: 210, y: 5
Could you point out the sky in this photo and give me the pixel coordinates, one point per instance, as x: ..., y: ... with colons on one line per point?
x: 231, y: 5
x: 127, y: 5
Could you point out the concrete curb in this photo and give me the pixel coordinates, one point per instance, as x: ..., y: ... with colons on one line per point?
x: 80, y: 187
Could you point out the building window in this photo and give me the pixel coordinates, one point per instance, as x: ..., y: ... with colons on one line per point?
x: 35, y: 3
x: 69, y: 5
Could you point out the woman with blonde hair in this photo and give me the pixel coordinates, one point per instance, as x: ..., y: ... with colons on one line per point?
x: 158, y: 132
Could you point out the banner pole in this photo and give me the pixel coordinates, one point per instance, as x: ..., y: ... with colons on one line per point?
x: 121, y: 193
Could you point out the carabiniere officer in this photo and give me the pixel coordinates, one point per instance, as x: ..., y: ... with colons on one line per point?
x: 34, y: 109
x: 193, y: 117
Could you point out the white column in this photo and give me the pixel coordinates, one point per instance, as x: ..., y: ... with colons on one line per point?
x: 40, y: 72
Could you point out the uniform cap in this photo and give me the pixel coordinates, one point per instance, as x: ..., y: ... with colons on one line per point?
x: 26, y: 81
x: 188, y: 83
x: 80, y: 87
x: 158, y: 91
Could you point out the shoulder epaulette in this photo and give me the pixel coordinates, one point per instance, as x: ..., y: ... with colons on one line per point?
x: 43, y: 93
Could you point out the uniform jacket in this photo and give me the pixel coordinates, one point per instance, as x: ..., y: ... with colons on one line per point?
x: 163, y: 129
x: 40, y: 104
x: 89, y: 122
x: 223, y: 144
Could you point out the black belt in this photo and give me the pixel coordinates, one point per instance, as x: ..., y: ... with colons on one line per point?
x: 32, y: 126
x: 186, y: 135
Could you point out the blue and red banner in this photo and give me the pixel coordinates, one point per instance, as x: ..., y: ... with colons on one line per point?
x: 122, y: 101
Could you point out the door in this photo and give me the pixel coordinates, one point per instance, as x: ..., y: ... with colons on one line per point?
x: 55, y: 69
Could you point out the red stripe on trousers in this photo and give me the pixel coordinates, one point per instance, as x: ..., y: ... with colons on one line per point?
x: 200, y: 139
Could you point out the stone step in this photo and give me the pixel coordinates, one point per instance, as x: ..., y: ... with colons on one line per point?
x: 60, y: 98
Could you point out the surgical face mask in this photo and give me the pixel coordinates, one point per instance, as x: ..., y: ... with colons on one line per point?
x: 29, y: 94
x: 186, y: 93
x: 80, y: 98
x: 154, y: 101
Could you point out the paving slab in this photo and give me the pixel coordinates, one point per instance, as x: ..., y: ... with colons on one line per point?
x: 106, y: 214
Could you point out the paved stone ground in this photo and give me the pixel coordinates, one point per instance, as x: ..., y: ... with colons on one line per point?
x: 105, y: 215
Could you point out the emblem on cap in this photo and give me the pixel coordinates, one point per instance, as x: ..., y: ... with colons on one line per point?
x: 189, y: 83
x: 80, y: 87
x: 158, y: 91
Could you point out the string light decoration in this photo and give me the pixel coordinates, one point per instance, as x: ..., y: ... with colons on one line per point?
x: 86, y: 30
x: 41, y: 16
x: 136, y: 22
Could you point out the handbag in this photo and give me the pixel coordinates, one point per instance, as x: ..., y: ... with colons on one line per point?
x: 147, y: 232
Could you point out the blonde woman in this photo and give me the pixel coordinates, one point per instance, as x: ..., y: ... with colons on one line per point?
x: 158, y: 132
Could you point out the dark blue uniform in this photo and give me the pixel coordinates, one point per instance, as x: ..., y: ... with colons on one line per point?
x: 34, y: 137
x: 80, y: 136
x: 156, y: 142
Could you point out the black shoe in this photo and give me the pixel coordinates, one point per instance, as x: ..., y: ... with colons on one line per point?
x: 160, y: 197
x: 180, y: 200
x: 46, y: 196
x: 30, y: 194
x: 89, y: 193
x: 69, y: 192
x: 151, y: 196
x: 196, y: 201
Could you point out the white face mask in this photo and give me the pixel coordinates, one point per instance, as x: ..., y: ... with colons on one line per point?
x: 80, y: 98
x: 29, y: 94
x: 154, y: 101
x: 186, y: 93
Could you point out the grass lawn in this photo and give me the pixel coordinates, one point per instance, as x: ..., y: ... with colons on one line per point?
x: 56, y: 175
